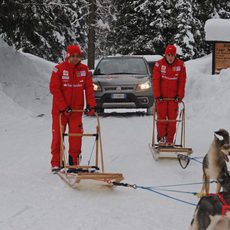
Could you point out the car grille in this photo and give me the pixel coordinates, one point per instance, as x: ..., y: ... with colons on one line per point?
x: 122, y: 88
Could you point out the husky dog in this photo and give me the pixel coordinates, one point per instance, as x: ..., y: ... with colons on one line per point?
x: 214, y: 163
x: 208, y: 213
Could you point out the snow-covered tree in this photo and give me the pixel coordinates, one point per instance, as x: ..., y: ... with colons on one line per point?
x: 184, y: 36
x: 106, y: 12
x: 43, y: 27
x: 46, y: 27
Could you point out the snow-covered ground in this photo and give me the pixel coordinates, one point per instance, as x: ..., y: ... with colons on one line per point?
x: 32, y: 198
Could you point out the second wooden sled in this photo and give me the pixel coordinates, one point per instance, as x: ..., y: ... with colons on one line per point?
x: 94, y: 172
x: 171, y: 151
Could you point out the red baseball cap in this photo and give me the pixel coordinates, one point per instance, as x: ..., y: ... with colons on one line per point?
x: 170, y: 49
x: 73, y: 49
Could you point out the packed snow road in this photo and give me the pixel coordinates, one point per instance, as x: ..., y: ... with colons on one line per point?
x: 32, y: 198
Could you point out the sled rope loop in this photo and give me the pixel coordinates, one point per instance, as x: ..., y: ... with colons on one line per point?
x: 186, y: 159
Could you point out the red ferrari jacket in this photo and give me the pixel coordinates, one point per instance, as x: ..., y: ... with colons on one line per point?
x: 67, y: 86
x: 169, y: 80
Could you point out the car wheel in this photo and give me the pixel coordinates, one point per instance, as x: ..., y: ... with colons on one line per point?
x: 150, y: 111
x: 100, y: 110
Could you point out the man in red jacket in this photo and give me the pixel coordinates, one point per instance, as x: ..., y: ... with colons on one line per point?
x: 68, y: 82
x: 169, y: 78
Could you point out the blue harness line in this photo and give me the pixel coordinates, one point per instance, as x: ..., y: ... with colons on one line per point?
x: 176, y: 191
x: 196, y: 159
x: 158, y: 189
x: 178, y: 185
x: 165, y: 195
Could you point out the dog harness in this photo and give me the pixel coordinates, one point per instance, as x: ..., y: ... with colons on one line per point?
x: 225, y: 205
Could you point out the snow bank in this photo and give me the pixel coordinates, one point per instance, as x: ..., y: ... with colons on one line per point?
x: 24, y: 78
x: 207, y: 95
x: 217, y: 30
x: 207, y: 102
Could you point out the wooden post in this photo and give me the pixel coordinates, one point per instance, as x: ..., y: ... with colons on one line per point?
x: 62, y: 154
x: 91, y: 33
x: 213, y: 57
x: 154, y: 121
x: 100, y: 143
x: 183, y: 128
x: 97, y: 145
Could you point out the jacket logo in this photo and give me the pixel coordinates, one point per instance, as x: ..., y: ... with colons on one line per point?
x: 55, y: 70
x: 163, y: 68
x: 177, y: 68
x: 170, y: 78
x: 73, y: 85
x: 64, y: 77
x: 65, y: 72
x: 83, y: 73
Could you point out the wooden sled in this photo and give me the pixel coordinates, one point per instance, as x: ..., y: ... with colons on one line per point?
x: 86, y: 172
x: 169, y: 151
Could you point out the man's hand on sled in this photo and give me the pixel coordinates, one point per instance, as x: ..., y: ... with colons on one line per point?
x: 159, y: 99
x: 90, y: 111
x: 177, y: 99
x: 68, y: 111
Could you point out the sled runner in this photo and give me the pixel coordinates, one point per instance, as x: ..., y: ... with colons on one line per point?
x: 74, y: 174
x: 173, y: 150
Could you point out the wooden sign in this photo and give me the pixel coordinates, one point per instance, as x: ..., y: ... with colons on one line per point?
x: 221, y: 56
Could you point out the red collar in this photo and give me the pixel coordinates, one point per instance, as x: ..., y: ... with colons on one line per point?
x: 175, y: 60
x: 225, y: 205
x: 71, y: 65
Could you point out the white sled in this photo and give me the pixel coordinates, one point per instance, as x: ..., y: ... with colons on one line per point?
x: 94, y: 172
x: 170, y: 151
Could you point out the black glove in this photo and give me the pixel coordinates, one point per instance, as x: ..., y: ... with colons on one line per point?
x: 177, y: 99
x: 159, y: 99
x: 90, y: 111
x: 68, y: 111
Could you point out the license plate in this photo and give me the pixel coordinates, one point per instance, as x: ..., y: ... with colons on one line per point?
x: 118, y: 96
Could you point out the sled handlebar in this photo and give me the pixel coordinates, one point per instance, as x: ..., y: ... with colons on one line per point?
x: 171, y: 99
x: 82, y: 111
x: 168, y: 99
x: 79, y: 110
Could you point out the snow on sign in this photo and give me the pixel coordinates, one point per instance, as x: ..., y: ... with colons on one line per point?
x: 218, y: 32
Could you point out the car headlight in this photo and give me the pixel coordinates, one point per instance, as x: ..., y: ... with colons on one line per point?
x: 96, y: 87
x: 144, y: 86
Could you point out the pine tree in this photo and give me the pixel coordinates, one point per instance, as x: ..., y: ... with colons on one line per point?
x: 122, y: 35
x: 106, y: 12
x: 164, y: 24
x: 146, y: 26
x: 45, y: 27
x: 184, y: 37
x: 42, y: 27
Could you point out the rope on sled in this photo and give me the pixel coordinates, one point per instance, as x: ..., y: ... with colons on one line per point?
x: 167, y: 196
x: 158, y: 189
x: 186, y: 159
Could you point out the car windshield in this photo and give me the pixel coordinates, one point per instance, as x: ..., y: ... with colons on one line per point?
x: 151, y: 65
x: 121, y: 66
